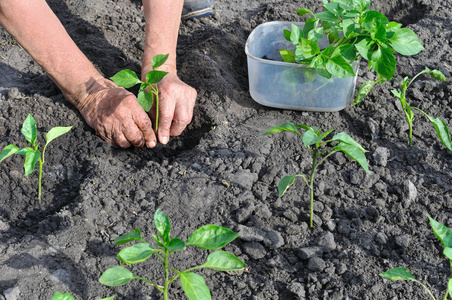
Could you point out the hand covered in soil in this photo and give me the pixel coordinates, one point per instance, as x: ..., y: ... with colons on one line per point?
x: 115, y: 115
x: 177, y: 100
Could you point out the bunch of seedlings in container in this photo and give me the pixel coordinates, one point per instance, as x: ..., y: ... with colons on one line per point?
x: 318, y: 146
x: 32, y: 154
x: 210, y: 237
x: 353, y: 32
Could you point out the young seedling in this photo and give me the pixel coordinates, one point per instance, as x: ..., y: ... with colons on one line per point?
x: 211, y: 237
x: 314, y: 139
x: 67, y: 296
x: 148, y: 90
x: 440, y: 126
x: 353, y: 32
x: 32, y: 154
x: 444, y: 234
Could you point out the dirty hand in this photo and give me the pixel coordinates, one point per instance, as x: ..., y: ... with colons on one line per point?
x: 176, y: 103
x: 115, y: 115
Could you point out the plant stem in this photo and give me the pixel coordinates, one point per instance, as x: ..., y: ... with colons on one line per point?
x: 311, y: 186
x: 165, y: 265
x: 41, y: 162
x: 428, y: 291
x: 156, y: 93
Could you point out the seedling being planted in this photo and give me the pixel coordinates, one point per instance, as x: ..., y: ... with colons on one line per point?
x: 440, y: 126
x: 32, y: 154
x: 314, y: 140
x: 148, y: 93
x: 210, y: 237
x: 444, y: 234
x: 67, y: 296
x: 354, y: 32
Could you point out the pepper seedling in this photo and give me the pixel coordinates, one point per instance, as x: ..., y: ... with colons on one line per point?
x: 67, y: 296
x: 210, y: 237
x: 313, y: 139
x: 32, y: 154
x: 353, y: 32
x: 148, y: 93
x: 440, y: 126
x: 444, y: 234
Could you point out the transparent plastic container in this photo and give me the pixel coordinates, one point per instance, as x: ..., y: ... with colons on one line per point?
x: 293, y: 86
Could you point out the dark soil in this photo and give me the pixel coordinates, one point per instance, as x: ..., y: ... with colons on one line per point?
x: 93, y: 192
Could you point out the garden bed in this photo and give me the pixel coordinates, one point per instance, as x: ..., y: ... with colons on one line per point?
x: 93, y: 192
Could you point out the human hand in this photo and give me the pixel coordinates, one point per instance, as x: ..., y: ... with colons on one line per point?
x: 176, y: 103
x: 115, y: 115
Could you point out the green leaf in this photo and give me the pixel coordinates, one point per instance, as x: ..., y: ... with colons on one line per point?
x: 437, y: 75
x: 315, y: 34
x: 194, y: 286
x: 134, y: 235
x: 310, y: 137
x: 449, y: 287
x: 145, y: 99
x: 327, y: 16
x: 306, y: 50
x: 136, y: 253
x: 287, y: 34
x: 56, y: 132
x: 442, y: 132
x: 398, y: 274
x: 25, y: 150
x: 158, y: 60
x: 211, y: 237
x: 296, y: 34
x: 116, y: 276
x: 60, y: 296
x: 345, y: 138
x: 162, y: 224
x: 304, y: 11
x: 29, y: 129
x: 443, y: 233
x: 223, y: 261
x: 347, y: 51
x: 155, y: 76
x: 378, y: 32
x: 287, y: 55
x: 334, y: 8
x: 176, y: 244
x: 354, y: 153
x: 339, y: 67
x: 392, y: 27
x: 365, y: 47
x: 364, y: 90
x: 31, y: 157
x: 448, y: 253
x: 285, y: 183
x: 8, y: 151
x: 126, y: 78
x: 350, y: 28
x: 373, y: 17
x: 285, y: 127
x: 383, y: 62
x: 396, y: 93
x: 406, y: 42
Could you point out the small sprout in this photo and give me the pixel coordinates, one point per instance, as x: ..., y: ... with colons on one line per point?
x: 440, y: 126
x: 66, y: 296
x: 444, y: 234
x: 226, y: 183
x: 210, y: 237
x: 313, y: 139
x: 32, y: 154
x: 148, y: 90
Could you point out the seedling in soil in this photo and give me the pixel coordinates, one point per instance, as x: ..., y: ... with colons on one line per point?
x: 354, y: 32
x: 32, y: 154
x: 440, y: 126
x: 66, y: 296
x: 210, y: 237
x: 313, y: 139
x: 148, y: 90
x: 444, y: 234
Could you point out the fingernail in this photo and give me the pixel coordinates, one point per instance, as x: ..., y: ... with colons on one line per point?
x: 164, y: 140
x: 152, y: 144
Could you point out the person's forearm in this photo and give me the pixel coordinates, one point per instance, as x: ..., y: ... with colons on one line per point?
x: 36, y: 28
x: 162, y: 29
